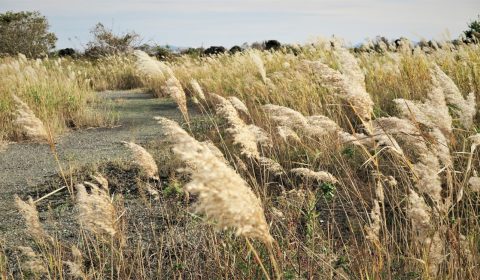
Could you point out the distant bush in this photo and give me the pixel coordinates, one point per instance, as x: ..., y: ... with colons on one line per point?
x: 295, y: 50
x: 194, y: 52
x: 67, y: 52
x: 105, y: 42
x: 162, y: 53
x: 214, y: 50
x: 258, y: 45
x: 235, y: 49
x: 273, y: 45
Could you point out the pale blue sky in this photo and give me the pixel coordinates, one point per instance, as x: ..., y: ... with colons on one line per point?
x: 229, y: 22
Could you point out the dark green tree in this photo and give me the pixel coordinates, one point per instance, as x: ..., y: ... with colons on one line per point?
x: 473, y: 32
x: 26, y: 33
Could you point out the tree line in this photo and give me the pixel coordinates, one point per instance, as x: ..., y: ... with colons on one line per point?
x: 27, y: 32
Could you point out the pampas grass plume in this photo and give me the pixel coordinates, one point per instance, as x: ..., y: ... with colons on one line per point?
x: 257, y: 60
x: 310, y: 175
x: 96, y: 212
x: 32, y: 127
x: 143, y: 159
x: 30, y: 215
x: 223, y: 196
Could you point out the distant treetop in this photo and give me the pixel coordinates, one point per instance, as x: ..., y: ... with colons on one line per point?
x: 27, y: 33
x: 473, y: 32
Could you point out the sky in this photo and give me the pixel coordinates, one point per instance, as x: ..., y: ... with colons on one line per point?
x: 195, y: 23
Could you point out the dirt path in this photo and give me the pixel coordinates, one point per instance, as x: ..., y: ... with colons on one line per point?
x: 25, y: 165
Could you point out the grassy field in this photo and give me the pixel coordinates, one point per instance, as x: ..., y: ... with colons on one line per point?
x: 317, y: 163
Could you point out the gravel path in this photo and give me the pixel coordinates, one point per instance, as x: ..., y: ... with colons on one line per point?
x: 26, y: 165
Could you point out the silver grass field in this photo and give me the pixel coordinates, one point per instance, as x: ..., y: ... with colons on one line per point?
x: 323, y: 163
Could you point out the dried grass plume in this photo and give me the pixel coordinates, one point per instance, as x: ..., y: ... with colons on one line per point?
x: 143, y: 159
x: 31, y: 126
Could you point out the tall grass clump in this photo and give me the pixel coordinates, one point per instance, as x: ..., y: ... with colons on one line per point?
x: 48, y: 92
x: 396, y: 125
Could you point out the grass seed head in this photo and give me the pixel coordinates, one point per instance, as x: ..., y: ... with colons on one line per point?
x: 31, y: 126
x: 310, y: 175
x: 30, y: 215
x: 144, y: 160
x: 96, y: 212
x: 224, y: 196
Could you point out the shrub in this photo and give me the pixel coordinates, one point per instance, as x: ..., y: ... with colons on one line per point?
x: 105, y: 42
x: 273, y: 45
x: 214, y: 50
x: 66, y: 52
x: 235, y: 49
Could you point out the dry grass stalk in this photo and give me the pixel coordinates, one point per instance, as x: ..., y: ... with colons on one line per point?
x: 32, y: 127
x: 239, y: 106
x: 144, y: 160
x: 427, y: 165
x: 227, y: 111
x: 321, y: 126
x: 288, y: 135
x: 257, y: 60
x: 427, y: 181
x: 372, y: 230
x: 30, y: 215
x: 292, y: 122
x: 31, y: 262
x: 197, y: 90
x: 96, y: 211
x: 76, y: 267
x: 172, y: 129
x: 312, y: 176
x: 261, y: 136
x: 433, y: 113
x: 214, y: 150
x: 173, y: 132
x: 224, y: 196
x: 174, y: 89
x: 151, y: 66
x: 420, y: 215
x: 374, y: 142
x: 354, y: 93
x: 349, y: 66
x: 474, y: 184
x: 245, y: 136
x: 465, y: 108
x: 285, y: 116
x: 436, y: 252
x: 313, y: 126
x: 148, y: 65
x: 240, y: 164
x: 75, y: 270
x: 475, y: 139
x: 102, y: 181
x: 271, y: 166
